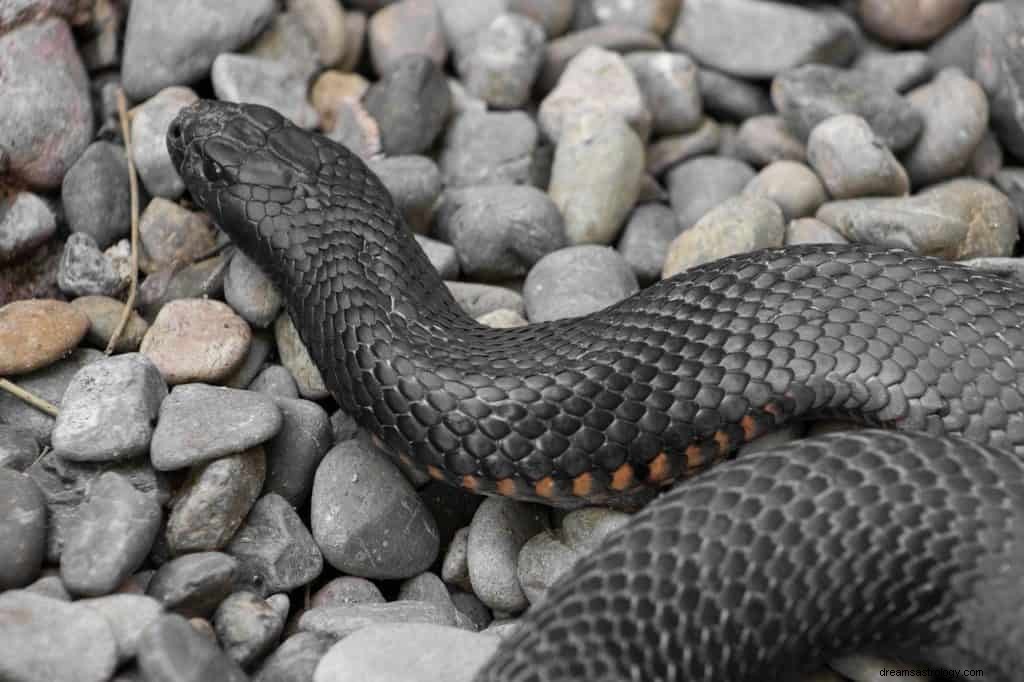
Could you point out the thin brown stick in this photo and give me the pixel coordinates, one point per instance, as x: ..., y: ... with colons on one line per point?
x: 133, y: 183
x: 33, y: 400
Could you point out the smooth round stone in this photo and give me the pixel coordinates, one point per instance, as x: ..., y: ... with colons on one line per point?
x: 542, y: 561
x: 114, y: 532
x: 414, y: 182
x: 489, y: 148
x: 1010, y: 182
x: 47, y: 116
x: 443, y: 257
x: 255, y: 358
x: 84, y: 270
x: 812, y: 231
x: 911, y: 23
x: 275, y: 380
x: 275, y: 549
x: 595, y: 179
x: 502, y: 318
x: 197, y: 340
x: 247, y: 627
x: 407, y: 652
x: 48, y: 639
x: 498, y: 532
x: 791, y: 185
x: 26, y: 222
x: 347, y: 590
x: 214, y: 501
x: 104, y: 314
x: 561, y: 51
x: 852, y: 161
x: 95, y: 194
x: 958, y: 219
x: 295, y: 452
x: 172, y: 234
x: 737, y: 225
x: 36, y: 333
x: 150, y: 121
x: 366, y: 517
x: 479, y: 299
x: 955, y: 112
x: 172, y: 650
x: 999, y: 67
x: 410, y: 104
x: 698, y: 185
x: 325, y: 21
x: 295, y: 660
x: 987, y: 159
x: 169, y: 43
x: 194, y: 584
x: 250, y: 292
x: 898, y: 71
x: 295, y: 357
x: 204, y: 279
x: 22, y: 529
x: 286, y: 40
x: 645, y: 240
x: 499, y: 231
x: 731, y: 98
x: 128, y: 615
x: 342, y: 621
x: 762, y: 140
x: 670, y: 151
x: 426, y: 587
x: 576, y: 281
x: 656, y: 16
x: 108, y: 410
x: 670, y: 87
x: 405, y: 28
x: 199, y: 422
x: 474, y: 614
x: 501, y: 63
x: 583, y: 530
x: 275, y: 84
x: 18, y: 448
x: 596, y: 81
x: 455, y: 567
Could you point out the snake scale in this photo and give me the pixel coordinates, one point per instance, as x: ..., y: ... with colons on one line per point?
x: 906, y: 540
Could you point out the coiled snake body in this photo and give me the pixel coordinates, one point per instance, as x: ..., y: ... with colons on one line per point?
x: 759, y: 565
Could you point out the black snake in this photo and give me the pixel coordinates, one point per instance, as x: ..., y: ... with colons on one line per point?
x: 873, y: 540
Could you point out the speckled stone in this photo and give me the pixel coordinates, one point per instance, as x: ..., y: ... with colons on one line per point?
x: 542, y: 561
x: 84, y: 270
x: 196, y: 340
x: 852, y: 161
x: 501, y: 62
x: 297, y: 360
x: 271, y: 83
x: 347, y: 589
x: 791, y: 185
x: 489, y: 148
x: 150, y: 121
x: 499, y: 530
x: 95, y: 194
x: 247, y: 627
x: 36, y: 333
x: 173, y: 235
x: 22, y: 529
x: 342, y: 621
x: 577, y: 280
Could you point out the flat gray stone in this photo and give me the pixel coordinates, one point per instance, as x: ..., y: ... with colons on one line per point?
x: 172, y: 650
x: 852, y: 161
x: 698, y: 185
x: 295, y: 357
x: 498, y: 532
x: 295, y: 452
x: 542, y: 561
x: 22, y: 529
x: 899, y: 70
x: 84, y: 270
x: 275, y: 380
x: 348, y: 589
x: 812, y: 231
x: 729, y: 97
x: 342, y: 621
x: 194, y: 584
x: 575, y: 281
x: 761, y: 140
x: 443, y: 257
x: 414, y: 182
x: 999, y: 68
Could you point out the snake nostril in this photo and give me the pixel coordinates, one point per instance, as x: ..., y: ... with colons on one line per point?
x: 174, y: 131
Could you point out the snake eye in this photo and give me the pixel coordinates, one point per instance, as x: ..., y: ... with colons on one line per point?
x: 213, y: 170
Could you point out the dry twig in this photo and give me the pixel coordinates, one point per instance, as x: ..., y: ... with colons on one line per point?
x: 33, y: 400
x: 133, y: 183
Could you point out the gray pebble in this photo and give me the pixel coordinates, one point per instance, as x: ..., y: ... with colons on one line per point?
x: 295, y: 660
x: 501, y: 62
x: 347, y: 589
x: 295, y: 357
x: 275, y: 84
x: 415, y: 184
x: 404, y: 28
x: 199, y: 422
x: 561, y: 51
x: 489, y: 148
x: 204, y: 279
x: 656, y: 16
x: 575, y: 281
x: 987, y: 159
x: 729, y: 97
x: 287, y: 40
x: 645, y: 240
x: 366, y: 517
x: 108, y: 410
x: 498, y: 532
x: 762, y: 140
x: 114, y: 531
x: 583, y: 530
x: 553, y: 15
x: 443, y: 257
x: 503, y: 318
x: 173, y: 235
x: 48, y: 639
x: 427, y: 587
x: 250, y: 292
x: 84, y: 270
x: 410, y: 104
x: 18, y: 448
x: 275, y: 380
x: 898, y: 71
x: 670, y: 87
x: 194, y: 584
x: 542, y: 561
x: 499, y: 231
x: 49, y: 586
x: 128, y: 615
x: 455, y: 568
x: 475, y: 612
x: 149, y: 141
x: 999, y: 68
x: 259, y: 350
x: 22, y: 529
x: 104, y: 315
x: 852, y: 161
x: 791, y: 185
x: 294, y: 454
x: 698, y: 185
x: 463, y: 19
x: 479, y: 299
x: 172, y: 650
x: 247, y: 627
x: 274, y: 548
x: 812, y: 231
x: 668, y: 152
x: 1010, y: 181
x: 342, y: 621
x: 213, y: 502
x: 95, y: 194
x: 26, y: 222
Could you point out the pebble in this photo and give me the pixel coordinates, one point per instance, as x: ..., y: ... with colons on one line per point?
x: 455, y: 566
x: 542, y: 561
x: 698, y: 185
x: 656, y: 16
x: 671, y: 90
x: 409, y: 27
x: 247, y: 627
x: 480, y: 299
x: 211, y: 505
x: 194, y: 584
x: 196, y: 340
x: 250, y: 292
x: 596, y: 81
x: 553, y: 15
x: 501, y: 62
x: 499, y: 530
x: 172, y: 650
x: 275, y: 549
x: 414, y: 182
x: 275, y: 84
x: 499, y: 231
x: 473, y: 614
x: 48, y: 639
x: 176, y: 44
x: 173, y: 235
x: 295, y: 660
x: 366, y: 517
x: 910, y: 23
x: 108, y: 410
x: 286, y: 40
x: 325, y: 21
x: 743, y: 37
x: 204, y: 279
x: 808, y: 95
x: 442, y: 256
x: 502, y: 318
x: 958, y: 219
x: 897, y: 71
x: 583, y: 530
x: 341, y: 621
x: 561, y: 51
x: 26, y: 222
x: 1010, y: 182
x: 150, y: 121
x: 297, y: 360
x: 670, y: 151
x: 110, y: 538
x: 463, y: 19
x: 18, y: 448
x: 410, y: 104
x: 84, y: 270
x: 737, y: 225
x: 999, y: 68
x: 128, y: 615
x: 731, y: 98
x: 576, y: 281
x: 22, y: 529
x: 812, y: 231
x: 295, y: 452
x: 49, y: 122
x: 762, y: 140
x: 104, y: 314
x: 852, y: 161
x: 955, y: 112
x: 47, y: 383
x: 35, y: 333
x: 275, y: 380
x: 407, y: 652
x: 95, y: 196
x: 346, y: 590
x: 255, y: 358
x: 645, y: 239
x: 987, y: 159
x: 49, y: 586
x: 489, y: 148
x: 791, y: 185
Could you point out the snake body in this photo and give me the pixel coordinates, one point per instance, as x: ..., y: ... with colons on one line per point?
x: 857, y: 541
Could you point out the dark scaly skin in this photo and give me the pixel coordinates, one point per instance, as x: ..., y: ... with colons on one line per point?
x: 608, y: 406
